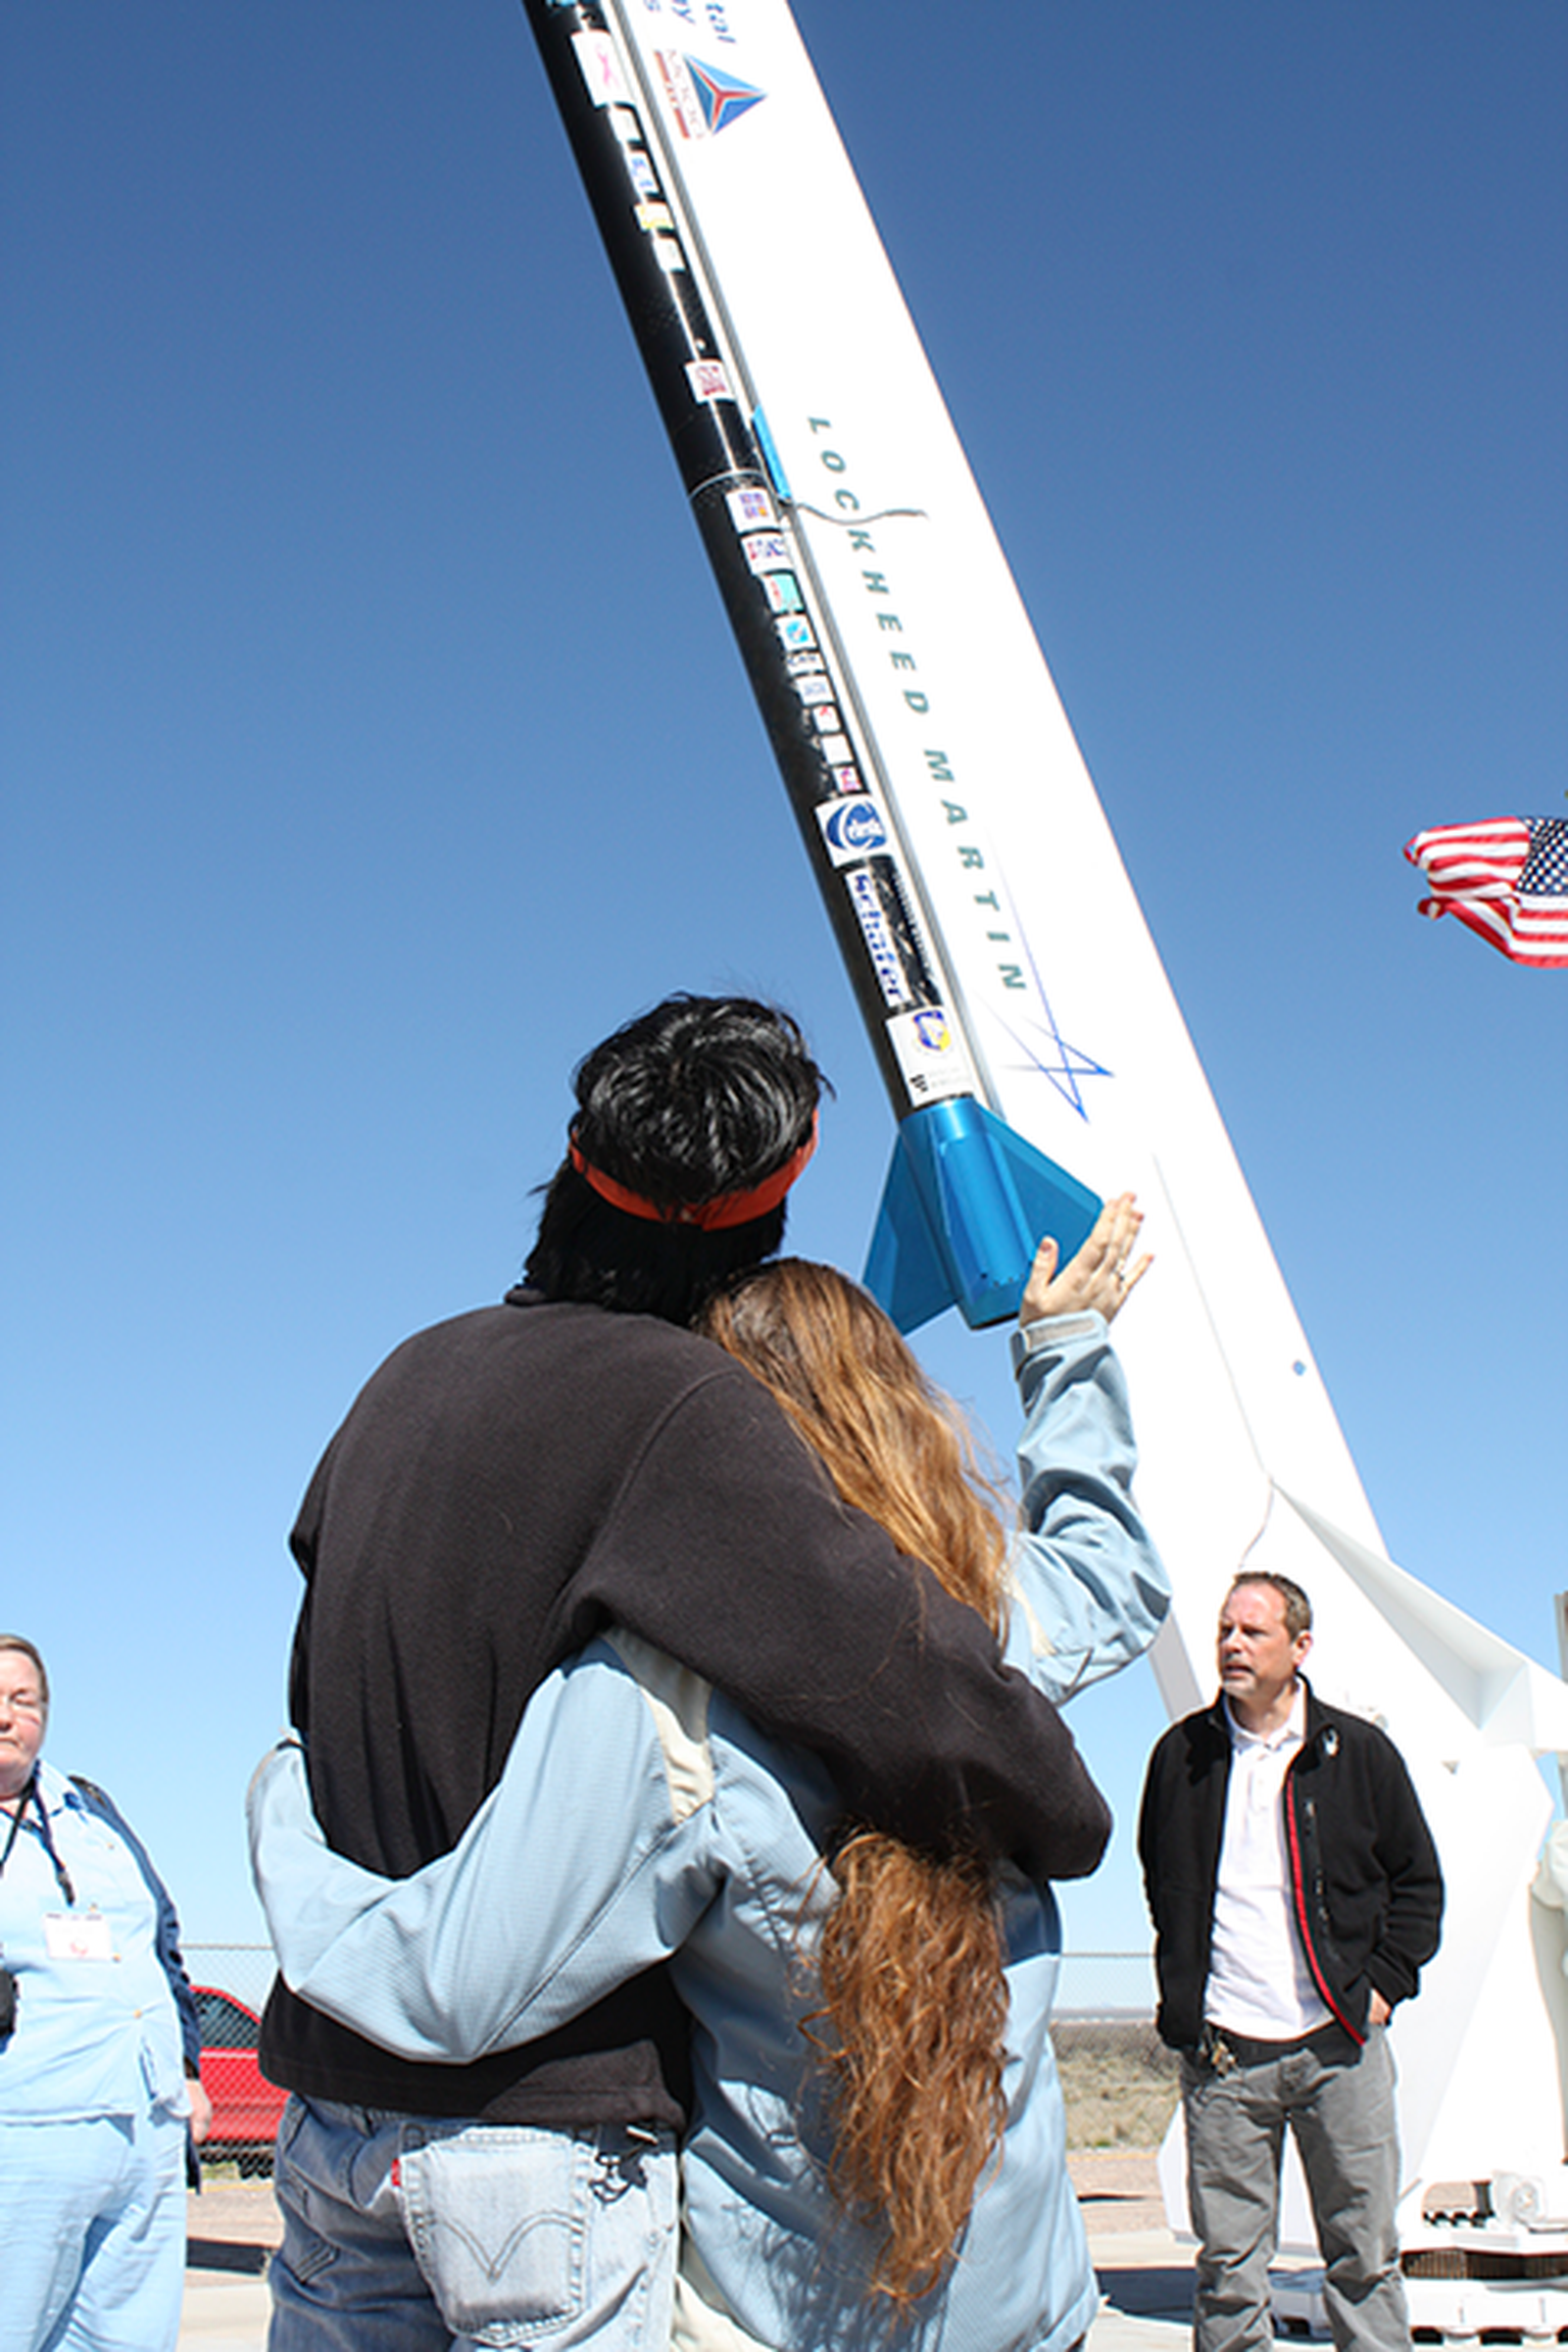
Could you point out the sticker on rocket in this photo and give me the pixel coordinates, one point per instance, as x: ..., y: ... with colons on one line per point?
x: 767, y: 551
x: 783, y: 591
x: 644, y: 178
x: 679, y: 95
x: 652, y: 215
x: 702, y: 98
x: 812, y: 685
x: 930, y: 1056
x: 722, y: 97
x: 794, y: 632
x: 852, y: 828
x: 709, y: 379
x: 600, y: 68
x: 878, y: 935
x: 889, y: 936
x: 750, y: 508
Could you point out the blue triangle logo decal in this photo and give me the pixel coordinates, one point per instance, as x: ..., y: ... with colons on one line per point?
x: 721, y: 96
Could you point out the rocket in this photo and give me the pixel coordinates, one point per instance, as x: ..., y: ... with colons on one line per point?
x: 1022, y: 1020
x: 967, y: 1196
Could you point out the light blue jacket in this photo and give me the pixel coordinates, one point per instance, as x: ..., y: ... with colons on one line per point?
x: 100, y: 2025
x: 642, y: 1817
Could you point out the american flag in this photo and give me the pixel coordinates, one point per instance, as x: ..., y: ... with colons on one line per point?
x: 1507, y: 878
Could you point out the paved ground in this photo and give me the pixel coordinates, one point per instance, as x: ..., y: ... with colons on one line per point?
x: 230, y: 2231
x: 1117, y: 2190
x: 1146, y: 2275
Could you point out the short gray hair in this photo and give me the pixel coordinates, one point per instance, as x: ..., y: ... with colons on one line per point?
x: 1298, y: 1609
x: 29, y: 1649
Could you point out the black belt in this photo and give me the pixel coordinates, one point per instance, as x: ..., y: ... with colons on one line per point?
x: 1327, y: 2042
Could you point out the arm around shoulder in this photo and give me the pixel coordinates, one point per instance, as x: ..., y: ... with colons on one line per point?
x: 732, y: 1552
x: 580, y: 1870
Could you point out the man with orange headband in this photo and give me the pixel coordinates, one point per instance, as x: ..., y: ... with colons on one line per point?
x: 506, y: 1484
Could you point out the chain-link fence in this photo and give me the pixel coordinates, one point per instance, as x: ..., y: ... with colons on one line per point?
x: 231, y: 1982
x: 1106, y: 1984
x: 1118, y: 2080
x: 244, y: 1971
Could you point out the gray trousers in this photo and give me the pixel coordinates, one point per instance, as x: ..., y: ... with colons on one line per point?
x: 1342, y: 2117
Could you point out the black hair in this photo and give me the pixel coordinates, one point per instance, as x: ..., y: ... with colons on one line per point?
x: 701, y: 1096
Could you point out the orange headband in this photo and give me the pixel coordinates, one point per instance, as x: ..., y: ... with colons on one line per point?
x: 713, y: 1216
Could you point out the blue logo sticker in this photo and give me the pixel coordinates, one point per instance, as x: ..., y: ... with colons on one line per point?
x: 874, y: 930
x: 855, y: 827
x: 721, y: 96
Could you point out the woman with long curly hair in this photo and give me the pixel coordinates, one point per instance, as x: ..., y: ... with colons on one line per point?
x: 911, y: 2029
x: 877, y: 2149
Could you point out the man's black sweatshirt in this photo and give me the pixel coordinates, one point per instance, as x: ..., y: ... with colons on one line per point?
x: 511, y: 1481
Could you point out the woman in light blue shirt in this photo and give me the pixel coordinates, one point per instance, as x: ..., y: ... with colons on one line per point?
x: 642, y: 1817
x: 99, y: 2055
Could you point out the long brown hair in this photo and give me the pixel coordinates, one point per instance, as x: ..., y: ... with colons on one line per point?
x: 913, y: 2011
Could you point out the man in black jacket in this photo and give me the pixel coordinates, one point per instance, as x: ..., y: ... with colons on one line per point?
x: 504, y: 1485
x: 1295, y: 1896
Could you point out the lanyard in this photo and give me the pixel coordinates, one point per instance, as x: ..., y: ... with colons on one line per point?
x: 46, y: 1838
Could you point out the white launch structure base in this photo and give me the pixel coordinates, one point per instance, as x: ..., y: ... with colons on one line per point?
x: 886, y: 573
x: 1443, y: 2310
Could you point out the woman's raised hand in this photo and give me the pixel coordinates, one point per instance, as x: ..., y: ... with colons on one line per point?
x: 1100, y: 1276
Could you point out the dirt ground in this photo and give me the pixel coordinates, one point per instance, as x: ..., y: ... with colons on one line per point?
x: 1119, y: 2082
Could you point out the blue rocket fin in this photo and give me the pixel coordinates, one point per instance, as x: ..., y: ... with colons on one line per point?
x: 967, y: 1203
x: 904, y: 1271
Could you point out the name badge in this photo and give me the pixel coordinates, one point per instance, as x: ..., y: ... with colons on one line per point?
x: 77, y: 1936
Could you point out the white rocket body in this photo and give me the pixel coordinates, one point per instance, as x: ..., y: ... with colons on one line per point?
x: 1076, y: 1040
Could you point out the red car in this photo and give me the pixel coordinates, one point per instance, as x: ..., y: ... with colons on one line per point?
x: 245, y: 2105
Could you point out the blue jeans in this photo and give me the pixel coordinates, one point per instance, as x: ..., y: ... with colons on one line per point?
x: 421, y: 2234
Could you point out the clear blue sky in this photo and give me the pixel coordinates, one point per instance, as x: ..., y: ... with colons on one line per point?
x: 373, y: 739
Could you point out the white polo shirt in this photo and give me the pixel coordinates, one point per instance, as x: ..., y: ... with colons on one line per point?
x: 1258, y: 1981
